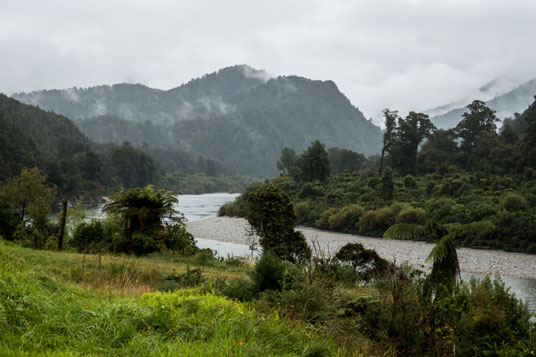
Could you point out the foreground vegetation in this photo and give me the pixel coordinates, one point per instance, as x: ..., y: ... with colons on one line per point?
x: 44, y: 311
x: 175, y: 299
x: 65, y: 303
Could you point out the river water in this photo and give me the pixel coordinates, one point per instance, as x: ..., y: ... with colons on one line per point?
x: 198, y: 207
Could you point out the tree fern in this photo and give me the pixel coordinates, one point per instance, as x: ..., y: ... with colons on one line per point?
x: 445, y: 267
x: 405, y: 231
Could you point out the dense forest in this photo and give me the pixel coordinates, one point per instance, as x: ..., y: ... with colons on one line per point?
x: 78, y: 167
x: 470, y: 177
x: 236, y: 117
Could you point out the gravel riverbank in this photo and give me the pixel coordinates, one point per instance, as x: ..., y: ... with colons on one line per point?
x: 235, y: 230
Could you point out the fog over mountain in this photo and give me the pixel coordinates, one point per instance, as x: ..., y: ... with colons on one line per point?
x: 505, y: 105
x: 238, y: 116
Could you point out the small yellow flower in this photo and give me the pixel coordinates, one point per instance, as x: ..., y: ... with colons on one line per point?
x: 532, y: 353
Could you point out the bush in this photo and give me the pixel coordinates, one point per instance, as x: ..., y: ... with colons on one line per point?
x: 376, y: 222
x: 180, y: 240
x: 409, y: 182
x: 323, y: 220
x: 514, y: 202
x: 410, y: 215
x: 141, y: 244
x: 241, y: 289
x: 269, y: 273
x: 346, y: 218
x: 301, y: 209
x: 366, y: 262
x: 227, y: 209
x: 87, y: 234
x: 205, y: 256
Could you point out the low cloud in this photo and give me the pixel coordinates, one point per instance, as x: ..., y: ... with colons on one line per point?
x: 401, y: 54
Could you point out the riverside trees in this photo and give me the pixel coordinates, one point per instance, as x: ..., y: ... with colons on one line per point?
x: 149, y: 221
x: 31, y: 198
x: 271, y: 215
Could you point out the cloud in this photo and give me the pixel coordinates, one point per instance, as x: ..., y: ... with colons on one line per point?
x: 402, y: 54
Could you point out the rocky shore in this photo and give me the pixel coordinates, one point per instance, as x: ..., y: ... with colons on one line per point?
x: 235, y: 230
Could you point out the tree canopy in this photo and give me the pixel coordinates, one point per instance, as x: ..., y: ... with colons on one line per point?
x: 271, y: 215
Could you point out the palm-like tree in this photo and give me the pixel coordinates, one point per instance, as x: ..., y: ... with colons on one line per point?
x: 142, y: 210
x: 445, y: 269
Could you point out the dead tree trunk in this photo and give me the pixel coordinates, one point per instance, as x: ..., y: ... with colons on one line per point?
x: 63, y: 221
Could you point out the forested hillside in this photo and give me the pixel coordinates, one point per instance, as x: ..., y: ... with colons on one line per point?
x: 236, y: 116
x: 31, y: 137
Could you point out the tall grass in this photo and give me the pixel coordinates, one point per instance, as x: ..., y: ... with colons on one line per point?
x: 48, y: 307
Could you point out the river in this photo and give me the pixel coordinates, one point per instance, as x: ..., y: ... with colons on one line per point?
x: 198, y: 207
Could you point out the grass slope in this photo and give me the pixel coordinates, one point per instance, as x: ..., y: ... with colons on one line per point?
x: 50, y: 305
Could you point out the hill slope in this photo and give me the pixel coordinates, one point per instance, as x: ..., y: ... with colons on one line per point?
x: 31, y: 136
x: 236, y: 116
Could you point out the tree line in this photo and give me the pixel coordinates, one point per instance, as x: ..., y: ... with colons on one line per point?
x: 470, y: 177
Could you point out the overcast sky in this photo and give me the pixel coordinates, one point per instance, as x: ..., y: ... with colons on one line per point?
x: 401, y: 54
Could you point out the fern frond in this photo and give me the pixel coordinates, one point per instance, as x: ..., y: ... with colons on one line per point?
x: 405, y: 231
x: 443, y: 248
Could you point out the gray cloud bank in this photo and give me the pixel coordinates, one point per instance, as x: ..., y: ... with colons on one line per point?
x: 402, y: 54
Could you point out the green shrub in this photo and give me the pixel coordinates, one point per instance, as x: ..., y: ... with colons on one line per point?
x: 514, y: 202
x: 346, y: 218
x: 301, y: 209
x: 141, y: 244
x: 366, y: 262
x: 241, y: 289
x: 409, y: 182
x: 87, y: 234
x: 269, y: 273
x: 410, y: 215
x: 323, y: 220
x: 227, y: 209
x: 180, y: 240
x: 376, y: 222
x: 205, y: 256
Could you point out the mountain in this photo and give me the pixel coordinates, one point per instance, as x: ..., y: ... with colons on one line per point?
x: 237, y: 116
x: 506, y: 105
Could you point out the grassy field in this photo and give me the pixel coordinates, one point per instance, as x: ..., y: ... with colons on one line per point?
x: 66, y: 304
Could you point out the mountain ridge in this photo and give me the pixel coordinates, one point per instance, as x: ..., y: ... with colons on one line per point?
x: 268, y: 112
x: 505, y: 105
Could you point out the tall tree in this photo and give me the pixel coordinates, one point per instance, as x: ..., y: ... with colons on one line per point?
x: 314, y: 162
x: 287, y: 160
x: 271, y: 215
x: 529, y: 139
x: 410, y: 133
x: 480, y: 118
x: 344, y: 159
x: 389, y: 134
x: 439, y: 151
x: 30, y: 195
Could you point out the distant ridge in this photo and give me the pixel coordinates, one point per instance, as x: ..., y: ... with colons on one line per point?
x: 238, y: 116
x: 514, y: 101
